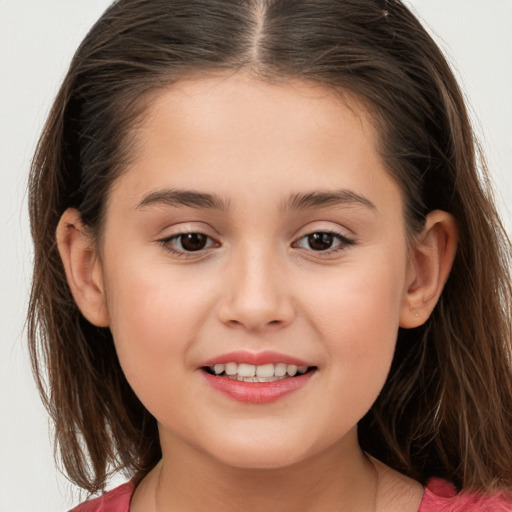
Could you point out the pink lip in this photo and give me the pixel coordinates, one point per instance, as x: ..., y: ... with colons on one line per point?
x: 255, y: 358
x: 256, y: 392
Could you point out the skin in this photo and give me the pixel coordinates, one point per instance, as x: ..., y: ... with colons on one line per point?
x: 258, y: 284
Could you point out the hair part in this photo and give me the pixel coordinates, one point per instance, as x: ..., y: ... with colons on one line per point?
x: 446, y: 408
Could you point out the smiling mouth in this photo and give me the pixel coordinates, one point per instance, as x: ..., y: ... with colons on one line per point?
x: 257, y: 373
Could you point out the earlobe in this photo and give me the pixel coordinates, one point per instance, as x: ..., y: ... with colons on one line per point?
x: 431, y: 260
x: 83, y: 268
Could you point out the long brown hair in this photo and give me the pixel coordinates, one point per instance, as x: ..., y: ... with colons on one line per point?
x: 446, y: 408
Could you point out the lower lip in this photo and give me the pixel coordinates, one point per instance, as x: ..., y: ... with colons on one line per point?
x: 257, y: 392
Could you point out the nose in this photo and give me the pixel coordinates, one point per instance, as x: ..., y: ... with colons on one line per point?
x: 255, y: 294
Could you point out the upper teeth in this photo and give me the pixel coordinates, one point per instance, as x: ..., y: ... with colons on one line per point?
x: 265, y: 371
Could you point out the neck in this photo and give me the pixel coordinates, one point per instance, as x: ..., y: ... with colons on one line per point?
x: 342, y: 479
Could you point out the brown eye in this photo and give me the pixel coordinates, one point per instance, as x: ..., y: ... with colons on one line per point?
x: 324, y: 241
x: 192, y: 241
x: 184, y: 244
x: 320, y: 241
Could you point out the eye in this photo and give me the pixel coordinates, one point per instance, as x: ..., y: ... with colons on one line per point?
x: 323, y: 241
x: 183, y: 243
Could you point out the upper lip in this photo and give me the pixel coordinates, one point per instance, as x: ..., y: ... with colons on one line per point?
x: 255, y: 358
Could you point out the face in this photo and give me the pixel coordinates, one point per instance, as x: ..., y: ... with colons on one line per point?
x: 256, y: 232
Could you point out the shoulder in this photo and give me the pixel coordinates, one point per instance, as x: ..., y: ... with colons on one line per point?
x: 116, y: 500
x: 441, y: 496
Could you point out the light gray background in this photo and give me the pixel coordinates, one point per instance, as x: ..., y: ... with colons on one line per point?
x: 37, y: 40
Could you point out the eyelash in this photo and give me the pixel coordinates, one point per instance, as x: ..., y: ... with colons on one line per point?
x: 167, y: 243
x: 343, y: 242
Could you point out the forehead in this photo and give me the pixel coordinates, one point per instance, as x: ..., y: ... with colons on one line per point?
x: 234, y: 133
x: 202, y: 103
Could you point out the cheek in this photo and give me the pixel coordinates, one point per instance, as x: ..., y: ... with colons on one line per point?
x: 154, y: 319
x: 357, y: 316
x: 363, y: 301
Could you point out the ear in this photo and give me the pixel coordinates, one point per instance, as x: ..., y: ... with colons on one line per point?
x: 431, y: 259
x: 83, y: 268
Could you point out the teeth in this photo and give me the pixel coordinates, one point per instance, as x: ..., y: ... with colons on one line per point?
x: 280, y: 370
x: 230, y: 368
x: 255, y: 379
x: 262, y: 373
x: 218, y: 369
x: 291, y: 370
x: 246, y: 370
x: 266, y: 370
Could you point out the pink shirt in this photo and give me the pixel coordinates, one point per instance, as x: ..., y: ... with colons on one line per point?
x: 439, y: 496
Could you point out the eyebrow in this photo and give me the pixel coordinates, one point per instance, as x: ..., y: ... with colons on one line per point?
x: 190, y: 198
x: 320, y: 199
x: 299, y: 201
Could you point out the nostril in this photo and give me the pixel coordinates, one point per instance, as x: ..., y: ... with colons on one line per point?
x: 253, y: 322
x: 252, y: 306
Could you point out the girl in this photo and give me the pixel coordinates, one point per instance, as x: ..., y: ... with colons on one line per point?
x: 268, y: 274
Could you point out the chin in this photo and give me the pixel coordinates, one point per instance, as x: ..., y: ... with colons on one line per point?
x: 257, y: 453
x: 259, y: 461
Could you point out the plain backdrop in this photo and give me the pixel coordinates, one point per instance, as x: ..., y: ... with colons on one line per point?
x: 37, y: 40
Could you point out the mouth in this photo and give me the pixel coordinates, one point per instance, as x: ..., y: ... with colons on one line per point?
x: 250, y: 373
x: 257, y: 378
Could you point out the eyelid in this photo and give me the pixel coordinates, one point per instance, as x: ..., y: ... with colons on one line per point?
x: 345, y: 242
x: 166, y: 243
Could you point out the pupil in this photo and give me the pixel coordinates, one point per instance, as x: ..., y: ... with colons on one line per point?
x: 320, y: 241
x: 193, y: 241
